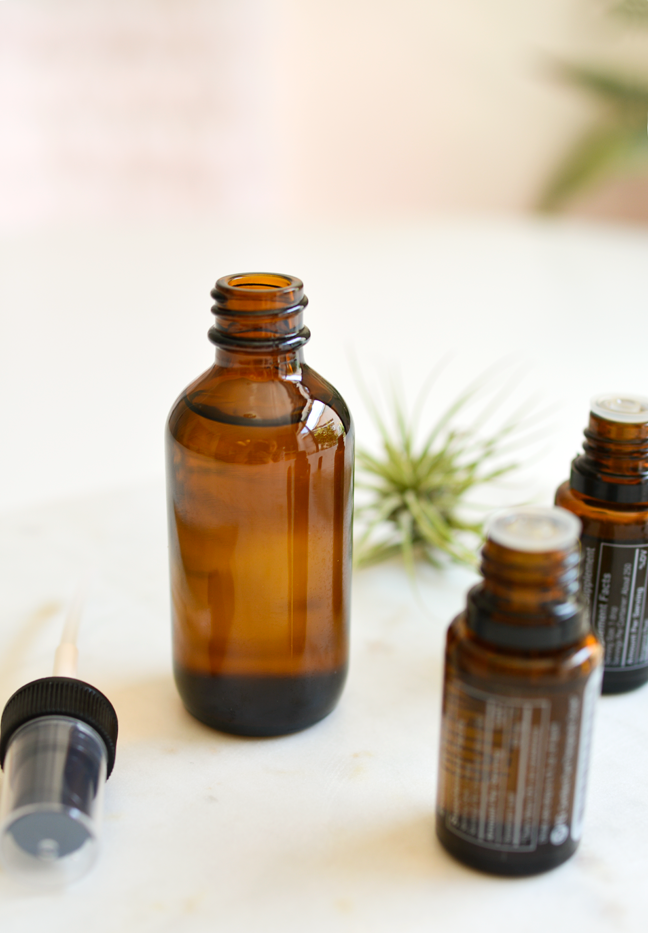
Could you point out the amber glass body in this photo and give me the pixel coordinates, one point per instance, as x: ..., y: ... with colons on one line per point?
x: 616, y: 457
x: 260, y: 492
x: 526, y: 593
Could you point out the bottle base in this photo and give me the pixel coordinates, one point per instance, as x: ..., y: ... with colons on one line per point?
x: 517, y: 864
x: 619, y: 681
x: 259, y: 706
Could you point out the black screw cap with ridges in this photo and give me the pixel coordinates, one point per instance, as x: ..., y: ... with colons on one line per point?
x: 61, y: 696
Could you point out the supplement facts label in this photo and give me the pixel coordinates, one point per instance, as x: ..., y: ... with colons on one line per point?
x: 614, y: 582
x: 514, y: 768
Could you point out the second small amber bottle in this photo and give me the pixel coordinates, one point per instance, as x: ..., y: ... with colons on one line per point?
x: 608, y: 491
x: 522, y: 676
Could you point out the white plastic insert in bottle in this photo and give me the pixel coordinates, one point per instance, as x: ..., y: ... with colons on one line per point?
x: 623, y: 408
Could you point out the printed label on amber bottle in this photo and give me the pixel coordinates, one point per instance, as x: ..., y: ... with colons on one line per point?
x: 614, y: 582
x: 514, y: 768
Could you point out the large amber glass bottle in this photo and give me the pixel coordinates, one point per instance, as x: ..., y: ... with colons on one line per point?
x: 608, y: 491
x: 260, y: 486
x: 523, y: 671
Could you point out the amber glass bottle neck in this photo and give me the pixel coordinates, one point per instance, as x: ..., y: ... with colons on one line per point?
x: 614, y: 463
x: 259, y: 314
x: 269, y: 364
x: 527, y: 600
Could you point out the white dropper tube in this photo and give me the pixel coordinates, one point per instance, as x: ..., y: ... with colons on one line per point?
x: 66, y: 656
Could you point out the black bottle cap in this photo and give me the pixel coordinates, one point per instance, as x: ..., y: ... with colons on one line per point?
x: 61, y: 696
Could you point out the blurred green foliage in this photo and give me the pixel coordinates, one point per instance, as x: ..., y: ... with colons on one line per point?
x: 618, y: 140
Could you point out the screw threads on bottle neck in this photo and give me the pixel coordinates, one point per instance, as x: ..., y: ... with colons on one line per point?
x: 259, y: 312
x: 523, y: 582
x: 614, y: 465
x: 528, y: 598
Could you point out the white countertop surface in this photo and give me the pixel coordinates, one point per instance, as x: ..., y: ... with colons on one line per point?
x: 331, y: 829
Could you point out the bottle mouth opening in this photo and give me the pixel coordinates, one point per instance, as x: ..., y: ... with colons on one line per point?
x: 258, y: 294
x: 623, y: 408
x: 258, y: 282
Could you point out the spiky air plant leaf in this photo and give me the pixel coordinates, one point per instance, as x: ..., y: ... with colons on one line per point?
x: 417, y: 490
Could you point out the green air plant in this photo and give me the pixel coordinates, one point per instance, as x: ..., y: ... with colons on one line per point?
x: 617, y: 141
x: 417, y: 492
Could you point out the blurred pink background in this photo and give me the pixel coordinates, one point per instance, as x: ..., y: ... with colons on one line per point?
x: 149, y: 146
x: 286, y: 108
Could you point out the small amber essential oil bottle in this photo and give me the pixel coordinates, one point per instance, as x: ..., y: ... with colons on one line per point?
x: 608, y: 491
x: 522, y: 675
x: 260, y: 492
